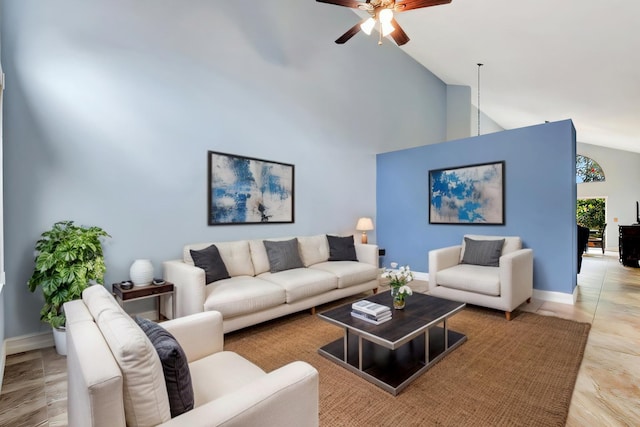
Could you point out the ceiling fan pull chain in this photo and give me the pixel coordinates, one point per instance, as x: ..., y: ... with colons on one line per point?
x: 380, y: 33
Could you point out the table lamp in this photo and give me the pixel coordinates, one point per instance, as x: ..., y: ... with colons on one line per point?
x: 364, y: 224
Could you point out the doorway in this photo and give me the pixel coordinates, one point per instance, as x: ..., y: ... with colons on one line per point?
x: 592, y: 213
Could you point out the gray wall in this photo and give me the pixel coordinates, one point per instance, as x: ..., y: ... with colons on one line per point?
x: 622, y: 175
x: 111, y: 106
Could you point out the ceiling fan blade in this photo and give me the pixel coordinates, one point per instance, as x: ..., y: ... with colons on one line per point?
x: 398, y: 35
x: 417, y: 4
x: 346, y: 3
x: 350, y: 33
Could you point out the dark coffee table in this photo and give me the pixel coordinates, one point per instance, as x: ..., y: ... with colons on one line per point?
x: 394, y: 353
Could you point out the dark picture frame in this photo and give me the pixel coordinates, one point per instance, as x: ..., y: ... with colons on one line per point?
x: 472, y: 194
x: 247, y: 190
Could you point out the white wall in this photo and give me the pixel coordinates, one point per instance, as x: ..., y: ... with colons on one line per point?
x: 112, y: 105
x: 487, y: 124
x: 458, y: 112
x: 622, y: 175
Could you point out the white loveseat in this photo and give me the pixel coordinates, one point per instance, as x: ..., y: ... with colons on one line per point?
x: 253, y: 294
x: 502, y: 287
x: 115, y: 376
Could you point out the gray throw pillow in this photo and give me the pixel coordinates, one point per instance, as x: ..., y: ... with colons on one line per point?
x: 211, y: 262
x: 283, y: 255
x: 341, y: 248
x: 482, y: 252
x: 175, y: 366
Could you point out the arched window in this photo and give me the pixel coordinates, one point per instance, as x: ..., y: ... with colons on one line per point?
x: 588, y: 170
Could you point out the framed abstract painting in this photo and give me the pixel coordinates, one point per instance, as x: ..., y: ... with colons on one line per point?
x: 245, y: 190
x: 471, y: 194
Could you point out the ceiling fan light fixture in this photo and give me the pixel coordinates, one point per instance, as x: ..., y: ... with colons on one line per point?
x: 387, y: 28
x: 385, y: 16
x: 367, y: 26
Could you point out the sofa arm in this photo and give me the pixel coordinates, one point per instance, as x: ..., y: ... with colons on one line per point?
x: 285, y: 397
x: 442, y: 258
x: 208, y: 339
x: 516, y: 276
x: 189, y: 282
x: 368, y: 253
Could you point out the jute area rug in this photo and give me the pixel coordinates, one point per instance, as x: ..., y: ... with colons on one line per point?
x: 518, y: 373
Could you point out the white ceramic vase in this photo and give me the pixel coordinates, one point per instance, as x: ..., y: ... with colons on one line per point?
x: 141, y: 272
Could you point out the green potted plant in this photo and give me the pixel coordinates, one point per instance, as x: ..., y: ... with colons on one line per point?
x: 68, y: 259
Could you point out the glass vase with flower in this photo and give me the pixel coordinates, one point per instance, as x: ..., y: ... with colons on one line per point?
x: 398, y: 282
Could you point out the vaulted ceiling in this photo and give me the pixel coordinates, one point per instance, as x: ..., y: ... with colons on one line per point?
x: 544, y: 60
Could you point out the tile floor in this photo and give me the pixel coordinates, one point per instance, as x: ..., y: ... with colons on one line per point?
x: 607, y: 392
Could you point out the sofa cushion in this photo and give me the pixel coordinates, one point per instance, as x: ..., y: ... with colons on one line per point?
x: 145, y: 395
x: 210, y: 261
x: 283, y: 255
x: 349, y: 273
x: 472, y: 278
x: 259, y: 254
x: 313, y: 249
x: 242, y: 295
x: 301, y: 283
x: 341, y: 248
x: 235, y: 255
x: 174, y: 366
x: 482, y: 252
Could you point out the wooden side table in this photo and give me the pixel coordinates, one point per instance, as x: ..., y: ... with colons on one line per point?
x: 143, y: 292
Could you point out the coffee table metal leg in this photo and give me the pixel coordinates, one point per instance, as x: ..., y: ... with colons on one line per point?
x: 346, y: 345
x: 426, y: 347
x: 360, y: 353
x: 446, y: 334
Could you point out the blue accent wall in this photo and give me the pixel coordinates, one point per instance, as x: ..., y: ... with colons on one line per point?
x: 540, y: 197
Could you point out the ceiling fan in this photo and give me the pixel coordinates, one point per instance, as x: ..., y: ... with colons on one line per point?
x: 381, y: 12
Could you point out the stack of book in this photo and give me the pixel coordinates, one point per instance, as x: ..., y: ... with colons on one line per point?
x: 371, y: 312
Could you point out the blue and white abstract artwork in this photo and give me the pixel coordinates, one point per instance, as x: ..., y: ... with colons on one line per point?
x: 244, y: 190
x: 467, y: 195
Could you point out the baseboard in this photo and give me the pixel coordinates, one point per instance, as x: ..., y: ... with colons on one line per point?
x: 29, y: 342
x: 559, y: 297
x: 418, y: 275
x: 3, y: 360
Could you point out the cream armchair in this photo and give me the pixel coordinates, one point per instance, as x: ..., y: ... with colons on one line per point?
x: 504, y: 286
x: 115, y: 377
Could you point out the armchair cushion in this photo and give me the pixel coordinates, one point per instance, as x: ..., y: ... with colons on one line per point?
x: 174, y: 365
x: 211, y: 262
x: 482, y: 252
x: 342, y: 248
x: 471, y: 278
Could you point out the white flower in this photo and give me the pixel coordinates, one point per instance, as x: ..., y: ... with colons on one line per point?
x: 394, y: 265
x: 405, y: 290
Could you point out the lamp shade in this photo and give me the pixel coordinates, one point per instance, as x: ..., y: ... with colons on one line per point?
x: 364, y: 224
x: 368, y: 25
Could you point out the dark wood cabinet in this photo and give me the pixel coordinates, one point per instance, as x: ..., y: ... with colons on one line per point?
x: 629, y: 245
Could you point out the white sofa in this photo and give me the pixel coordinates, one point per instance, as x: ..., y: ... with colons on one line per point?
x: 504, y: 287
x: 253, y: 294
x: 115, y: 377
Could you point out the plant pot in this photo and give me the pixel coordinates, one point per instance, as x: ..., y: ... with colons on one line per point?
x: 60, y: 339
